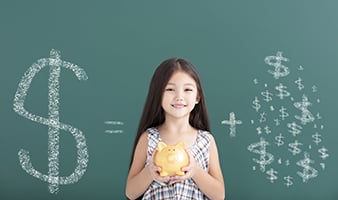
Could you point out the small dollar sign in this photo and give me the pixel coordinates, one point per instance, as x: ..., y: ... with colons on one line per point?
x: 265, y: 157
x: 276, y: 62
x: 282, y: 91
x: 267, y: 96
x: 262, y: 118
x: 256, y: 105
x: 294, y: 147
x: 272, y: 175
x: 323, y: 151
x: 283, y: 113
x: 308, y: 171
x: 279, y: 140
x: 299, y: 84
x: 316, y: 138
x: 306, y: 114
x: 294, y: 128
x: 267, y: 129
x: 53, y: 122
x: 288, y: 180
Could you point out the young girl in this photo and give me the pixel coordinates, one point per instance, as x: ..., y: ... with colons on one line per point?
x: 175, y: 110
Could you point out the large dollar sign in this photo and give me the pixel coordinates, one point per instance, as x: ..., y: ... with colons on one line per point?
x: 308, y: 171
x: 53, y: 123
x: 276, y: 61
x: 265, y: 158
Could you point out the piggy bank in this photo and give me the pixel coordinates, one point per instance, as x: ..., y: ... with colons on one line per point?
x: 171, y: 158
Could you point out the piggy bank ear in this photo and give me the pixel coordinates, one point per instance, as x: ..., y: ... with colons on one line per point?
x: 180, y: 145
x: 160, y: 146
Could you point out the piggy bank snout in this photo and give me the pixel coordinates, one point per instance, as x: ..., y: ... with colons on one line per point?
x: 176, y: 157
x: 172, y: 158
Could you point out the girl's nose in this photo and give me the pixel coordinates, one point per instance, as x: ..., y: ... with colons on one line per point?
x: 179, y: 98
x: 179, y: 95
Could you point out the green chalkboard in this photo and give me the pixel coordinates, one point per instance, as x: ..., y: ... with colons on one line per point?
x: 74, y: 77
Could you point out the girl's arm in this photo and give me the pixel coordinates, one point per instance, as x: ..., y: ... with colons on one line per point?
x: 141, y: 176
x: 211, y: 183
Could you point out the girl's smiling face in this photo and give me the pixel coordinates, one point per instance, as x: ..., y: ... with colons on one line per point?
x: 180, y: 95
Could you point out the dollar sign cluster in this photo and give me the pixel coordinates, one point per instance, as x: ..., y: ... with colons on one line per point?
x: 53, y: 122
x: 284, y: 109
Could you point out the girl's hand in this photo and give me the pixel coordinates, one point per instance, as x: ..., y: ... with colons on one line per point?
x: 154, y: 171
x: 189, y: 171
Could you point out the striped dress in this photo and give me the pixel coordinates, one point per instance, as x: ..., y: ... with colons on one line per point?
x: 183, y: 190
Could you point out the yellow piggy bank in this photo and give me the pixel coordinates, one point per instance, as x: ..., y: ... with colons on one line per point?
x: 171, y: 158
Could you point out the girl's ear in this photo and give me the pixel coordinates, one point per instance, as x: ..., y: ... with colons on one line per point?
x: 198, y: 99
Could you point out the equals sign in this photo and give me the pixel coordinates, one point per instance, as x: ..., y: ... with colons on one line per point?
x: 114, y: 123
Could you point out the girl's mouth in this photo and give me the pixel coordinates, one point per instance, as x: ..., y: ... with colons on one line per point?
x: 178, y: 105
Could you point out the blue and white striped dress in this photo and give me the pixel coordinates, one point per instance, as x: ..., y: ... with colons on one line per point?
x: 183, y: 190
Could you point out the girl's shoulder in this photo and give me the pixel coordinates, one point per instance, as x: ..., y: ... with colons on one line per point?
x: 203, y: 140
x: 205, y: 135
x: 153, y: 138
x: 153, y: 133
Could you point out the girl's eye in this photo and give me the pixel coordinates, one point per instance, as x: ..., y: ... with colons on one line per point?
x: 169, y: 89
x: 188, y: 90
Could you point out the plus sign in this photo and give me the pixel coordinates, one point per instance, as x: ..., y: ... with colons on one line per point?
x: 232, y: 122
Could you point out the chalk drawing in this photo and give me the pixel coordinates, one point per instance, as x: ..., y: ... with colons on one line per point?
x: 53, y: 122
x: 323, y: 153
x: 282, y: 91
x: 276, y: 61
x: 288, y: 180
x: 299, y: 83
x: 263, y: 117
x: 272, y: 175
x: 259, y: 130
x: 256, y: 105
x: 277, y: 122
x: 265, y: 158
x: 279, y: 140
x: 232, y: 122
x: 286, y: 112
x: 294, y: 128
x: 267, y: 130
x: 306, y: 116
x: 113, y: 123
x: 294, y: 147
x: 308, y: 171
x: 283, y: 113
x: 316, y: 138
x: 267, y: 96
